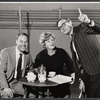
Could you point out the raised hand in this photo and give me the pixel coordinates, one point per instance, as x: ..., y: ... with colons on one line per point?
x: 80, y: 13
x: 83, y: 17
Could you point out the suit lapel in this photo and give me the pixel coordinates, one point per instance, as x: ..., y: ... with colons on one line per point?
x: 14, y: 57
x: 13, y: 62
x: 73, y: 36
x: 74, y: 55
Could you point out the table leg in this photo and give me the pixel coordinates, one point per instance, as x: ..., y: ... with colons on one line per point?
x: 47, y: 93
x: 25, y: 93
x: 43, y: 93
x: 37, y: 94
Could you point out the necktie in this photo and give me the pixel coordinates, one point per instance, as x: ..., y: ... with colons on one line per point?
x: 19, y: 67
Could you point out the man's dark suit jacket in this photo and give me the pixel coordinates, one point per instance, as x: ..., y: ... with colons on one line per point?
x: 87, y: 47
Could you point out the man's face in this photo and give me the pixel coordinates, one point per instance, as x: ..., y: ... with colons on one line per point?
x: 50, y: 43
x: 65, y: 26
x: 22, y: 43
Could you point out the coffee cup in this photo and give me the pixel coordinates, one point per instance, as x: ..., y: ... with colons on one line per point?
x: 52, y: 74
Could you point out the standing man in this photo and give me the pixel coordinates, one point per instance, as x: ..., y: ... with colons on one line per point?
x: 85, y: 51
x: 14, y: 64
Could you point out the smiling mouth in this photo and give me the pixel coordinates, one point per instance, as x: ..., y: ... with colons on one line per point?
x: 23, y: 47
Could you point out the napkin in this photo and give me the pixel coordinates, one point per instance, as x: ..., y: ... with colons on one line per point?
x: 60, y: 79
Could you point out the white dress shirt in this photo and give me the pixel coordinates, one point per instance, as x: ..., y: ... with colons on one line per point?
x: 17, y: 57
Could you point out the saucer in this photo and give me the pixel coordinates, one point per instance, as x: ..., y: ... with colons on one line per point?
x: 51, y: 76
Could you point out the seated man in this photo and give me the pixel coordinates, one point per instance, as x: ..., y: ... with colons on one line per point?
x: 14, y: 63
x: 53, y: 59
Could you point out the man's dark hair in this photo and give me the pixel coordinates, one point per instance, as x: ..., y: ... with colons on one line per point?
x: 22, y: 34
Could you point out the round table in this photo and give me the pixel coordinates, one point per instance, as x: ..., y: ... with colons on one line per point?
x: 37, y: 85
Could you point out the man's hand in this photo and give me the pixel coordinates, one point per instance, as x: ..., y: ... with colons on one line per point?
x: 81, y: 85
x: 73, y: 77
x: 7, y: 92
x: 83, y: 17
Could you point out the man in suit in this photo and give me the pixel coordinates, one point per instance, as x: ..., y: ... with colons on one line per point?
x: 85, y: 51
x: 9, y: 62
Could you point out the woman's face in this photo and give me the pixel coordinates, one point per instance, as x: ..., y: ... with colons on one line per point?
x: 50, y: 43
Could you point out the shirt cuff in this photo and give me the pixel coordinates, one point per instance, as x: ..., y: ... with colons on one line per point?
x: 91, y: 24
